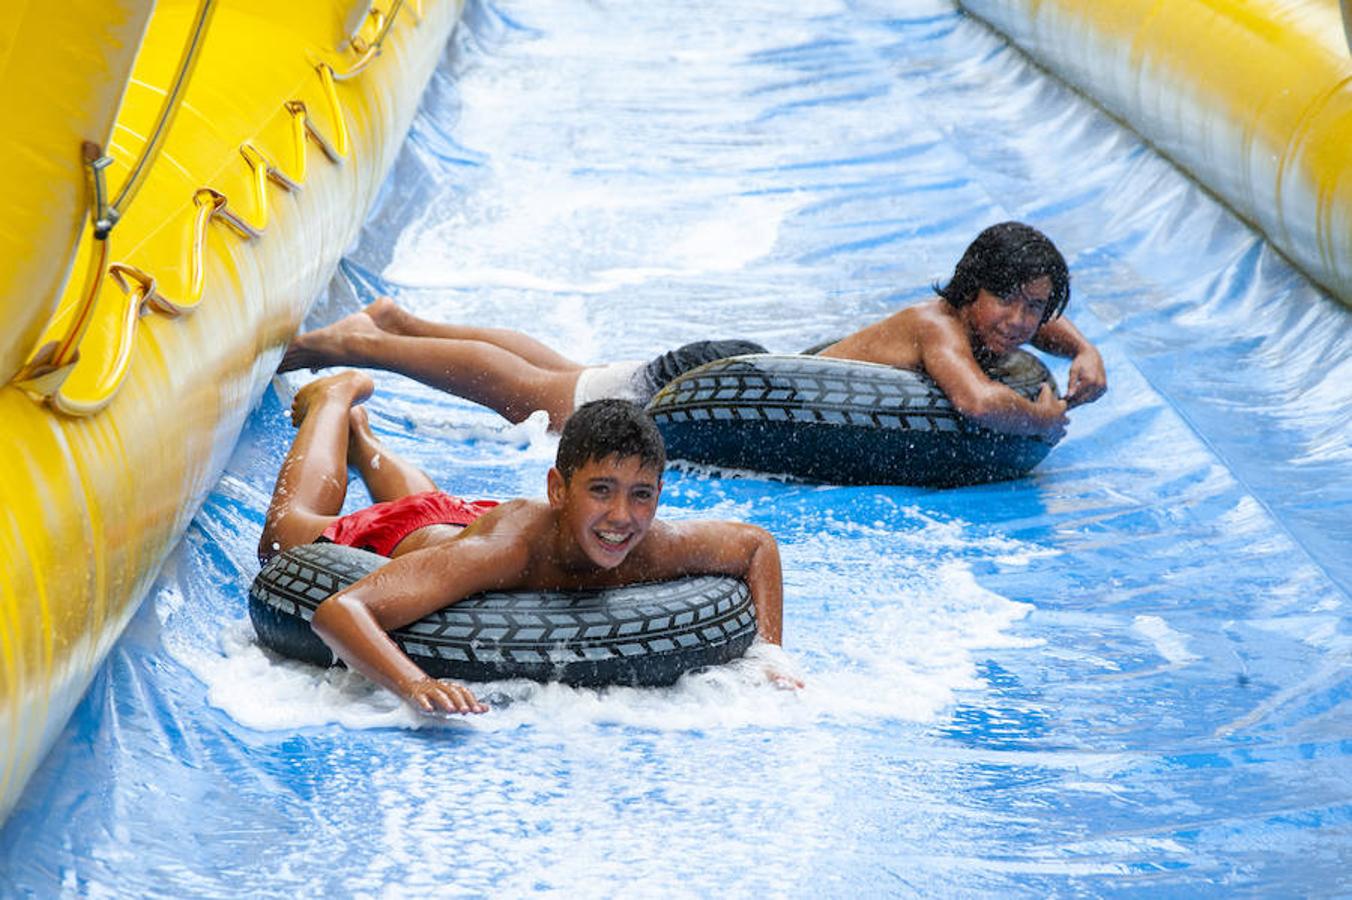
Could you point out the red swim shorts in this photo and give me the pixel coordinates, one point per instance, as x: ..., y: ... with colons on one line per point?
x: 380, y: 528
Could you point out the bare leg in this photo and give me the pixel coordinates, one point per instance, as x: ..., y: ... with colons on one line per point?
x: 391, y: 317
x: 312, y: 482
x: 311, y: 348
x: 388, y: 476
x: 476, y: 370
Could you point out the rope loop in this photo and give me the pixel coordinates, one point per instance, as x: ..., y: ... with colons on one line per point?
x: 44, y: 376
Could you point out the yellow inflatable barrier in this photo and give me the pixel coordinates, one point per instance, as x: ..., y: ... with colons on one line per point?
x: 1252, y: 97
x: 73, y: 100
x: 183, y: 184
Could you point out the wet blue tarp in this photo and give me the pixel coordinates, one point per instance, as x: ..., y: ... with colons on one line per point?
x: 1126, y: 674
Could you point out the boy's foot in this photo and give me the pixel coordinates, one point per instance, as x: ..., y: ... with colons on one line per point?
x: 330, y: 345
x: 348, y: 388
x: 361, y: 440
x: 387, y: 315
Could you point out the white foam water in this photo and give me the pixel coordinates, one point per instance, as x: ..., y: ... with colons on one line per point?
x: 901, y: 644
x: 474, y: 247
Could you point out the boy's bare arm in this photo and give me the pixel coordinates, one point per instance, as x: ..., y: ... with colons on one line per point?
x: 355, y: 621
x: 741, y: 551
x: 946, y: 355
x: 735, y: 549
x: 1088, y: 380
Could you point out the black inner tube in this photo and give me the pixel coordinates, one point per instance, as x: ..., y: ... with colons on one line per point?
x: 643, y: 634
x: 842, y: 422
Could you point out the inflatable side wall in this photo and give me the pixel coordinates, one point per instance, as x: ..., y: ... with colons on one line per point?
x: 1252, y: 97
x: 76, y: 98
x: 257, y: 134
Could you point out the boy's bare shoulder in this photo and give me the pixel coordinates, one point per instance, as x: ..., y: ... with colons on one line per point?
x: 512, y: 512
x: 935, y: 326
x: 494, y: 551
x: 693, y: 546
x: 892, y: 341
x: 666, y: 536
x: 511, y: 522
x: 933, y: 314
x: 920, y: 322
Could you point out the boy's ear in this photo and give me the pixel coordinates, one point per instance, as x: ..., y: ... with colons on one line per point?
x: 555, y: 487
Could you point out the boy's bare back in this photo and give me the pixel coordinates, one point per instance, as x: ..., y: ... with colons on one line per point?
x: 897, y: 340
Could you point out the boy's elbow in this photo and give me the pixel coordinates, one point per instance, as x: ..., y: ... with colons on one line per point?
x: 975, y: 405
x: 751, y: 542
x: 760, y: 538
x: 765, y: 547
x: 268, y: 547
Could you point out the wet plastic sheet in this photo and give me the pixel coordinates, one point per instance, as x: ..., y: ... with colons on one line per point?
x: 1128, y: 673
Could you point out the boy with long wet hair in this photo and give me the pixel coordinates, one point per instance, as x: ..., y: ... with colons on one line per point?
x: 1009, y: 288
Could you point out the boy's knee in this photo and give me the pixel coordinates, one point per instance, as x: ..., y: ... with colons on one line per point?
x: 276, y: 537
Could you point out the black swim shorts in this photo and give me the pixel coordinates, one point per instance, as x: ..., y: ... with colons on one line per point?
x: 674, y: 363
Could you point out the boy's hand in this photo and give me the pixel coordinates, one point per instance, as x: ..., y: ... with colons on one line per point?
x: 1087, y: 380
x: 434, y: 697
x: 783, y: 680
x: 1052, y: 413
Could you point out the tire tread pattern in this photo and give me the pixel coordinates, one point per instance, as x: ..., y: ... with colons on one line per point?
x: 646, y: 634
x: 840, y: 421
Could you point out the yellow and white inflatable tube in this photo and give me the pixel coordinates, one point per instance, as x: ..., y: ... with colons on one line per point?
x: 184, y: 177
x: 1252, y: 97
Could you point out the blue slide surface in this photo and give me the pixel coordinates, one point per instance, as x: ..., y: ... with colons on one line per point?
x: 1129, y: 673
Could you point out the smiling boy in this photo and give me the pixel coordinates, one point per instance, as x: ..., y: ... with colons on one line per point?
x: 1009, y: 288
x: 597, y: 528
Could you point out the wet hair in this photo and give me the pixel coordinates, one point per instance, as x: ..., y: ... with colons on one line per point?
x: 604, y: 428
x: 1004, y: 258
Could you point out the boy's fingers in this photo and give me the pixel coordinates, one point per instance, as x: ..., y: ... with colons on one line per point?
x: 1083, y: 393
x: 456, y: 698
x: 463, y: 701
x: 452, y: 700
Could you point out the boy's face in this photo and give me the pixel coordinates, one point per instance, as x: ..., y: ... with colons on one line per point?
x: 1003, y: 324
x: 607, y: 507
